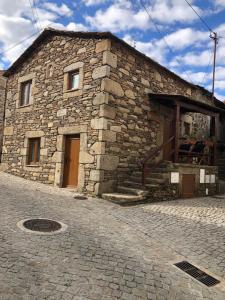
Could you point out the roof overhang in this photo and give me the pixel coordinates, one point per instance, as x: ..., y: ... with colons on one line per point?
x: 186, y: 103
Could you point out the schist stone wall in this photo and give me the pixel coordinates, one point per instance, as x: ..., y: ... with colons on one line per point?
x: 2, y: 105
x: 110, y: 111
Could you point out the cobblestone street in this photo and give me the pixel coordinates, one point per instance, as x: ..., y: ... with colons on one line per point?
x: 108, y: 251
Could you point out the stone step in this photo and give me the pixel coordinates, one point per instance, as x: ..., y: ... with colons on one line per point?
x: 152, y: 186
x: 133, y: 184
x: 132, y: 191
x: 121, y: 198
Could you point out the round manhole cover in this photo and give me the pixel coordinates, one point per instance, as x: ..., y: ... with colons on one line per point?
x: 41, y: 226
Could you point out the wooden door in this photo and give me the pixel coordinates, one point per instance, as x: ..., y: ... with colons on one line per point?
x: 188, y: 186
x: 71, y: 161
x: 168, y: 132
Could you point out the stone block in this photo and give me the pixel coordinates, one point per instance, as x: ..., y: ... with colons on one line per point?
x: 69, y: 130
x: 110, y: 59
x: 62, y: 112
x: 104, y: 187
x: 34, y: 134
x: 8, y: 130
x: 107, y: 111
x: 130, y: 94
x: 101, y: 72
x: 98, y: 148
x: 96, y: 175
x: 86, y: 158
x: 59, y: 143
x: 107, y: 162
x: 145, y: 82
x: 83, y: 141
x: 81, y: 178
x: 115, y: 128
x: 44, y: 152
x: 112, y: 87
x: 57, y: 157
x: 138, y: 110
x: 158, y: 76
x: 81, y: 50
x: 103, y: 46
x: 99, y: 123
x: 107, y: 136
x: 101, y: 98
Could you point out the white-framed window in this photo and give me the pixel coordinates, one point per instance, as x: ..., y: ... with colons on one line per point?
x: 25, y: 93
x: 73, y: 80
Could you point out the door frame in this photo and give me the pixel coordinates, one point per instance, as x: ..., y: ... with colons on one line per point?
x: 60, y: 153
x: 65, y: 137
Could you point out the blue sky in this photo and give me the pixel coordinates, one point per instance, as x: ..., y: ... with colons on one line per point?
x: 181, y: 29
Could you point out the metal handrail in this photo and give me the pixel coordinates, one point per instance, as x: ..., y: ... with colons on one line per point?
x: 152, y: 155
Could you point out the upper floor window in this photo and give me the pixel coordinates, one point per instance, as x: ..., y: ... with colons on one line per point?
x: 25, y: 94
x: 73, y: 80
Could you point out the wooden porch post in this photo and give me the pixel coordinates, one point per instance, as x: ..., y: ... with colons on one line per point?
x: 177, y: 131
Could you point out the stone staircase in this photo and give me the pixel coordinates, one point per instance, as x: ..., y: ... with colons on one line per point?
x: 132, y: 190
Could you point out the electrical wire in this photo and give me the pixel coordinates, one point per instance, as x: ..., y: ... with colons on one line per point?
x: 204, y: 77
x: 35, y: 23
x: 164, y: 39
x: 17, y: 44
x: 36, y: 13
x: 202, y: 20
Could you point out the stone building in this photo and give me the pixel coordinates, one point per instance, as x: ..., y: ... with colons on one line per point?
x: 85, y: 109
x: 2, y: 107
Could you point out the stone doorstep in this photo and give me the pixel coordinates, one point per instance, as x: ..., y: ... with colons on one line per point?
x: 121, y: 198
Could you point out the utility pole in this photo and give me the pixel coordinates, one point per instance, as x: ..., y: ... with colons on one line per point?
x: 214, y: 37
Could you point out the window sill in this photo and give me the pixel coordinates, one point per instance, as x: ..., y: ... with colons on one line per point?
x: 72, y: 93
x: 25, y: 108
x: 32, y: 166
x: 72, y: 90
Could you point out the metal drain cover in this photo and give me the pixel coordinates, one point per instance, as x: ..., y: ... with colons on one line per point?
x: 41, y: 226
x: 80, y: 198
x: 196, y: 273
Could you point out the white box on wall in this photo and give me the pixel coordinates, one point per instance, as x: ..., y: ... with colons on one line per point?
x: 212, y: 178
x: 207, y: 178
x: 202, y: 175
x: 174, y: 177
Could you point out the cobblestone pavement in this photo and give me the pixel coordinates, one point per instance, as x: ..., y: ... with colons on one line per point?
x: 108, y: 251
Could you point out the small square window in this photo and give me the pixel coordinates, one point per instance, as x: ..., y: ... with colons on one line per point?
x: 73, y: 80
x: 34, y: 151
x: 25, y: 93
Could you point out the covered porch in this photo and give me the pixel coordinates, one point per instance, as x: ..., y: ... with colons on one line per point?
x: 178, y: 147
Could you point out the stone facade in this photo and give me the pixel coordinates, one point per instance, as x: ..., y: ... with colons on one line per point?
x: 110, y: 110
x: 2, y: 107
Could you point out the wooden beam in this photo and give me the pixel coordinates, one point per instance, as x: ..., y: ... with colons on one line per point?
x: 196, y: 108
x: 177, y: 131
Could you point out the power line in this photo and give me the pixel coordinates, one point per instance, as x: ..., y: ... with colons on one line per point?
x: 36, y: 13
x: 204, y: 77
x: 163, y: 37
x: 34, y: 18
x: 17, y: 44
x: 203, y: 21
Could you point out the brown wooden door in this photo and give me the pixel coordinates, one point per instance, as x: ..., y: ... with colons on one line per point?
x: 188, y: 186
x: 71, y: 161
x: 168, y: 132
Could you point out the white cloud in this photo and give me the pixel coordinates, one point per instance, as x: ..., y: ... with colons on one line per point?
x: 119, y: 17
x: 93, y: 2
x: 171, y: 11
x: 60, y: 10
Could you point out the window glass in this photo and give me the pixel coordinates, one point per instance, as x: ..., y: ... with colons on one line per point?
x: 25, y: 93
x: 34, y: 151
x: 74, y: 80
